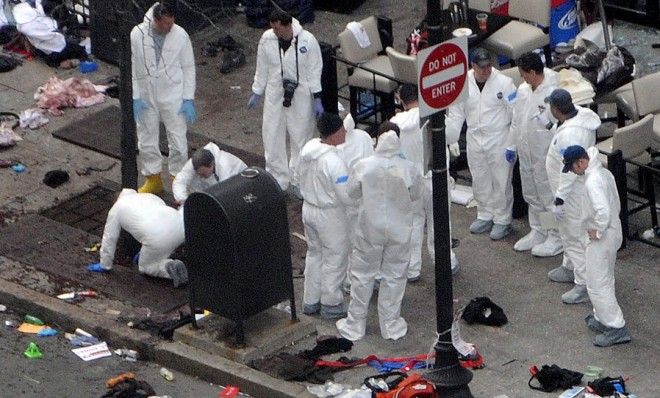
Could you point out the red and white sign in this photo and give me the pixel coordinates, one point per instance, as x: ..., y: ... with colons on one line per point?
x: 442, y: 75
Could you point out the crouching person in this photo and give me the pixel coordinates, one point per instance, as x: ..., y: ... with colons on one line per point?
x: 158, y: 227
x: 602, y: 231
x: 388, y: 184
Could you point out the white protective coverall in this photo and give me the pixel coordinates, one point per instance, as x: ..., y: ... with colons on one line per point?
x: 5, y: 10
x: 388, y: 184
x: 162, y: 86
x: 188, y: 181
x: 412, y: 147
x: 158, y: 227
x: 323, y: 175
x: 488, y: 116
x: 578, y: 130
x: 39, y: 29
x: 531, y: 139
x: 358, y: 145
x: 601, y: 208
x: 302, y: 58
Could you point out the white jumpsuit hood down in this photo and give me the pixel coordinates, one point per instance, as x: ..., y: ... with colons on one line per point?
x: 302, y: 58
x: 188, y: 181
x: 601, y: 213
x: 578, y: 130
x: 162, y: 85
x: 322, y: 176
x: 158, y: 227
x: 389, y: 184
x: 531, y: 138
x: 488, y: 116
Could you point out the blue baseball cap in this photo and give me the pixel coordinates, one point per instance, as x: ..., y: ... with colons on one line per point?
x: 571, y: 154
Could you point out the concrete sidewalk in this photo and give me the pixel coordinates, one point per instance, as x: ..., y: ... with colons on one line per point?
x: 541, y: 329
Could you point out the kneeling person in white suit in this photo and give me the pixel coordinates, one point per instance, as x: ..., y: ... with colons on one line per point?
x: 158, y: 227
x: 207, y: 166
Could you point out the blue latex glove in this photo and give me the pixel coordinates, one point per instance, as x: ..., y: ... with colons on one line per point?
x: 510, y: 156
x: 138, y: 107
x: 188, y: 109
x: 136, y: 258
x: 318, y: 107
x: 97, y: 267
x: 253, y: 101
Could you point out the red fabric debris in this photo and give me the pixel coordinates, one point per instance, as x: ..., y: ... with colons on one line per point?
x: 72, y: 92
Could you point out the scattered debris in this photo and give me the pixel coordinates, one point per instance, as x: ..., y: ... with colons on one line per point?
x: 10, y: 324
x: 72, y: 92
x: 33, y: 320
x: 18, y: 167
x: 32, y: 351
x: 31, y: 379
x: 3, y: 308
x: 127, y: 355
x: 8, y: 137
x: 93, y: 352
x: 229, y: 392
x: 88, y: 170
x: 47, y: 332
x: 126, y: 385
x: 93, y: 248
x: 55, y: 178
x: 30, y: 328
x: 299, y: 236
x: 167, y: 374
x: 33, y: 118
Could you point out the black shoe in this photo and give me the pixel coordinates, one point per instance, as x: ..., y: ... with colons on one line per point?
x: 232, y: 60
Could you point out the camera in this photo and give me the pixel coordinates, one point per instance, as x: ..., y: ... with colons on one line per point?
x: 289, y: 89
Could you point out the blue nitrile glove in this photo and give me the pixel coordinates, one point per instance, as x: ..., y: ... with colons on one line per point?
x: 510, y: 155
x: 138, y: 107
x: 254, y: 100
x: 188, y: 109
x: 136, y: 258
x: 318, y: 107
x: 97, y: 267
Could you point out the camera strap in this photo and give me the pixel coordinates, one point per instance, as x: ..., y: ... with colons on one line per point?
x: 279, y: 51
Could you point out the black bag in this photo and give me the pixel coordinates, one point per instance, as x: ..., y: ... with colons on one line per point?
x: 553, y: 377
x: 483, y: 310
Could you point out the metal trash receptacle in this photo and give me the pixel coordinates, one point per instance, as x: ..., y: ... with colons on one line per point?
x: 238, y: 248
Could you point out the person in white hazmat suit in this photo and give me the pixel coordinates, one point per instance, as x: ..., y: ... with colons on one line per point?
x: 388, y: 184
x: 157, y: 226
x: 412, y: 147
x: 42, y: 32
x: 358, y: 145
x: 322, y: 175
x: 163, y: 71
x: 288, y: 74
x: 531, y: 134
x: 575, y: 126
x: 601, y: 228
x: 208, y: 166
x: 487, y: 112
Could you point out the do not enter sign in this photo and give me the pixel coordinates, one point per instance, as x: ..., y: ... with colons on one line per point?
x: 442, y: 73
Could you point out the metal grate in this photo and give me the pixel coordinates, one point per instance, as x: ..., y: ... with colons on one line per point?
x: 87, y: 211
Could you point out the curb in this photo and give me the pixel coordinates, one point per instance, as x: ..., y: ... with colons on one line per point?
x: 176, y: 356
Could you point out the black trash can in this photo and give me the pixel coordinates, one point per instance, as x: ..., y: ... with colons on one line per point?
x: 238, y: 248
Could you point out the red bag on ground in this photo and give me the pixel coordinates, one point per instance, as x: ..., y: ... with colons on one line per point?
x: 401, y: 385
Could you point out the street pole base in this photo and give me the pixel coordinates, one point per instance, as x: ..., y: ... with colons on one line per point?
x: 451, y: 381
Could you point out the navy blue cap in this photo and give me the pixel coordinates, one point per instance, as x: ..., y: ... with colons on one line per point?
x: 571, y: 154
x: 481, y: 57
x: 562, y: 100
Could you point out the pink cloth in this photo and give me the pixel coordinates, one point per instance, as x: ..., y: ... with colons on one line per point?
x: 72, y: 92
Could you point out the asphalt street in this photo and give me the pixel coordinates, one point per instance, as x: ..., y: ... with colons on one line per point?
x: 60, y: 373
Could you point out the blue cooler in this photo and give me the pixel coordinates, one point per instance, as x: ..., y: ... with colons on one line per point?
x: 563, y: 21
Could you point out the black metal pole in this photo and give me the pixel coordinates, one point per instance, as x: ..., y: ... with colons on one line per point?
x: 128, y: 137
x: 128, y: 245
x: 450, y: 379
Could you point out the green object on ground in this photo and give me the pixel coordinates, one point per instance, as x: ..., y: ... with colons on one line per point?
x: 33, y: 320
x: 32, y: 351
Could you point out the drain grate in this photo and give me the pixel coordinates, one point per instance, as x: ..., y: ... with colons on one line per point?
x: 87, y: 211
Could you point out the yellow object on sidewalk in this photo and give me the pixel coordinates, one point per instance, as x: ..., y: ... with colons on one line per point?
x: 153, y: 184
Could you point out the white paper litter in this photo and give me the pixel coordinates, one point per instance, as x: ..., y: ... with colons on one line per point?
x: 93, y: 352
